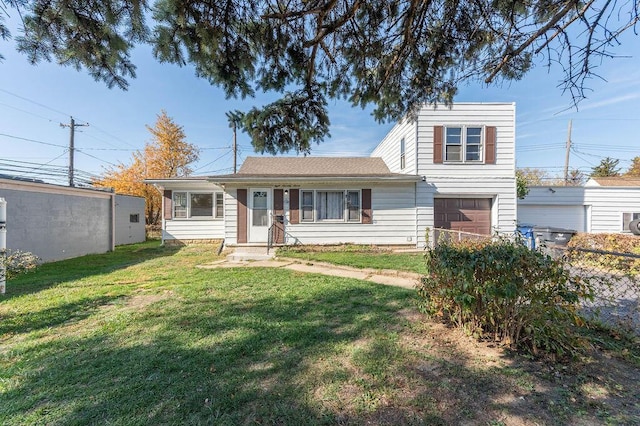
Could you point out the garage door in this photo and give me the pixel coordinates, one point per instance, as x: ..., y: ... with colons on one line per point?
x: 463, y: 214
x: 568, y: 217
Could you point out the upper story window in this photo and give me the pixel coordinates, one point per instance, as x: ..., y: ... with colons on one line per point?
x: 402, y: 154
x: 463, y: 144
x: 330, y: 206
x: 198, y: 204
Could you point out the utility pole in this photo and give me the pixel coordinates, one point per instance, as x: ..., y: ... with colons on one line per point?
x: 566, y: 158
x: 235, y: 147
x: 72, y: 130
x: 234, y: 117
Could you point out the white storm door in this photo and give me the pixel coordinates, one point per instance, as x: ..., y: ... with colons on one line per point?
x: 260, y: 202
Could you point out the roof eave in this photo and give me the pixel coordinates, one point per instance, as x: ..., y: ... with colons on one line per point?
x: 174, y: 180
x: 304, y: 179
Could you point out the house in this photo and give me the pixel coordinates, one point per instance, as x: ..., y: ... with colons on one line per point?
x: 58, y: 222
x: 602, y: 205
x: 449, y: 167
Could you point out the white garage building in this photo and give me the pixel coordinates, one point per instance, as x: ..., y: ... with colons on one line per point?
x: 602, y: 205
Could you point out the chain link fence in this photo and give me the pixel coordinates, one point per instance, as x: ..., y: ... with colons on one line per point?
x: 615, y: 280
x: 613, y: 277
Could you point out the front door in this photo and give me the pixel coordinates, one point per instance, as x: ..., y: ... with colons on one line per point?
x: 259, y: 205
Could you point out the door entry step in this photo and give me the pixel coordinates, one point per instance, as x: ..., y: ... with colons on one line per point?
x: 243, y: 254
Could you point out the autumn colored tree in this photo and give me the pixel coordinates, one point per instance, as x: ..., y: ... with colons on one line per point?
x: 166, y: 155
x: 634, y: 169
x: 526, y: 177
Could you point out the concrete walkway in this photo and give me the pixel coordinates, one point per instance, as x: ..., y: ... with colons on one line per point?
x: 384, y: 276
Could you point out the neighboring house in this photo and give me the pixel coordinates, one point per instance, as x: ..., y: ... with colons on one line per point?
x: 58, y: 222
x: 451, y: 167
x: 130, y: 220
x: 602, y: 205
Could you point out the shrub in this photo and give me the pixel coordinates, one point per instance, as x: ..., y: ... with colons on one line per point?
x: 18, y: 262
x: 503, y: 290
x: 618, y: 243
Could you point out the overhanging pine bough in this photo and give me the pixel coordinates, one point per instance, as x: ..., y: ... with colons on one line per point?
x: 396, y: 55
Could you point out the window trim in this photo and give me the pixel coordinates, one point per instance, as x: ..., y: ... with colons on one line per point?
x: 463, y: 144
x: 345, y: 209
x: 188, y: 215
x: 625, y: 223
x: 303, y: 205
x: 402, y: 154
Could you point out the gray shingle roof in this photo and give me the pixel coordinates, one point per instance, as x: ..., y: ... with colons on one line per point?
x: 314, y: 166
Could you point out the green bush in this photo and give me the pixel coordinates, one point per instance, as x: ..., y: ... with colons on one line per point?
x: 502, y: 290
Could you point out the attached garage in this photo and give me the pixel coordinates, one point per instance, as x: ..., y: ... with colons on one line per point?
x: 568, y: 217
x: 463, y: 214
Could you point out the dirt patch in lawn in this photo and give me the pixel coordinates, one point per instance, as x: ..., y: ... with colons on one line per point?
x: 445, y: 377
x: 140, y: 301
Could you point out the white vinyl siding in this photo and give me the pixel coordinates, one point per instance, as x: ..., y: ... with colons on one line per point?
x: 603, y: 206
x: 393, y: 211
x: 193, y: 229
x: 329, y: 205
x: 231, y: 216
x: 469, y: 115
x: 211, y: 226
x: 566, y: 217
x: 501, y: 191
x: 196, y: 205
x: 390, y: 147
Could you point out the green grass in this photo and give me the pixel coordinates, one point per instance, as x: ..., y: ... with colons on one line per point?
x: 358, y: 257
x: 142, y: 337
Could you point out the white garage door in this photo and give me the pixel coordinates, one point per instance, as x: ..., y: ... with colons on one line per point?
x: 568, y: 217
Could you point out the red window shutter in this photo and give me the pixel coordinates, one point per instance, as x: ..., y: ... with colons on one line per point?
x: 437, y: 143
x: 294, y: 206
x: 242, y: 215
x: 367, y: 216
x: 167, y: 203
x: 278, y: 202
x: 278, y: 210
x: 490, y: 144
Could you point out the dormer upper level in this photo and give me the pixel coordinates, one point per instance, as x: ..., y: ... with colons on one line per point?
x: 464, y: 140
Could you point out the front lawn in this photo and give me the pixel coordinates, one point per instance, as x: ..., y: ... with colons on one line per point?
x: 142, y: 337
x: 358, y: 257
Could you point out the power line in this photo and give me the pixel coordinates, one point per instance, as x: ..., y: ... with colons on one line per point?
x: 81, y: 151
x: 34, y: 102
x: 32, y: 140
x: 63, y: 113
x: 27, y: 112
x: 211, y: 162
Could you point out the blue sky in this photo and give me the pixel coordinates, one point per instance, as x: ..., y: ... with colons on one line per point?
x: 35, y: 100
